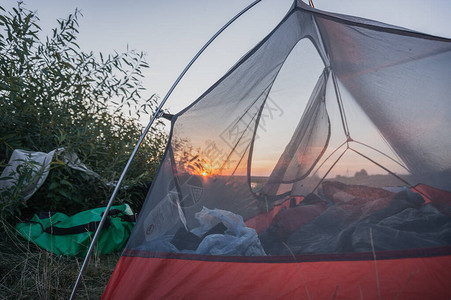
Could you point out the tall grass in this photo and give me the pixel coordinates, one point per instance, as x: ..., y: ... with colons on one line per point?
x: 28, y: 272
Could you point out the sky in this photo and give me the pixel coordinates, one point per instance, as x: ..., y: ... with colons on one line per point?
x: 171, y: 32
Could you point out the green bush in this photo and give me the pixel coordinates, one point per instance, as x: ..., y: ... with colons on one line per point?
x: 53, y: 95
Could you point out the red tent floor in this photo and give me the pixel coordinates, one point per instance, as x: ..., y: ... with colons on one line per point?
x: 173, y: 278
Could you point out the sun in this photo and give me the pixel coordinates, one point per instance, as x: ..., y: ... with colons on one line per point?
x: 204, y: 173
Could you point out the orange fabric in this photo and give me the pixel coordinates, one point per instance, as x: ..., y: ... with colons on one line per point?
x: 434, y: 195
x: 160, y: 278
x: 289, y: 220
x: 262, y: 221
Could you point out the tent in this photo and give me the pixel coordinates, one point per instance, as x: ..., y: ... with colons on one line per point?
x: 317, y: 167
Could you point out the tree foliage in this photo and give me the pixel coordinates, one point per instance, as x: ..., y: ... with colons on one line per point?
x: 54, y: 95
x: 360, y: 174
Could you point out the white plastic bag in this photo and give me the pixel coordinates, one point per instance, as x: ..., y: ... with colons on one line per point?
x: 236, y: 240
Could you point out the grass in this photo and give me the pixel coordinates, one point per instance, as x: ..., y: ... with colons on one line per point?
x: 28, y: 272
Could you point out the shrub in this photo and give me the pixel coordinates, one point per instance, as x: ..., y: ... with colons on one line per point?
x: 54, y: 95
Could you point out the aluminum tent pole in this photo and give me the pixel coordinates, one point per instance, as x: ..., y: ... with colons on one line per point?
x: 146, y: 130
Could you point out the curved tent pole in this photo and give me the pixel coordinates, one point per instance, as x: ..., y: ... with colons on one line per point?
x: 146, y: 130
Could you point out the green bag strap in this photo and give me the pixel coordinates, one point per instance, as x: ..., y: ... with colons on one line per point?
x: 89, y: 227
x: 119, y: 213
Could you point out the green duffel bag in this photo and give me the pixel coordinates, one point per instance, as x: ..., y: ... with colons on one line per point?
x: 63, y: 235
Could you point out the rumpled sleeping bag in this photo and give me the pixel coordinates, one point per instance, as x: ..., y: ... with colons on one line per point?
x: 360, y: 216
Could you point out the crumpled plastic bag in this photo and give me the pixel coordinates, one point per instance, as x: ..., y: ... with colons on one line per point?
x: 236, y: 240
x: 39, y: 165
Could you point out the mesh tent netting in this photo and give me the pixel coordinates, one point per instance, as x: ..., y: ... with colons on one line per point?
x: 330, y: 138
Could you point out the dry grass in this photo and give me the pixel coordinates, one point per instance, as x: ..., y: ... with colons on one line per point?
x: 28, y: 272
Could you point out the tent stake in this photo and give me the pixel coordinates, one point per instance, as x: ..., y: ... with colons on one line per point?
x: 146, y: 130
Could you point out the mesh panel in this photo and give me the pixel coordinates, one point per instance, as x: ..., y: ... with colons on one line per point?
x: 266, y: 164
x: 400, y: 82
x: 307, y: 144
